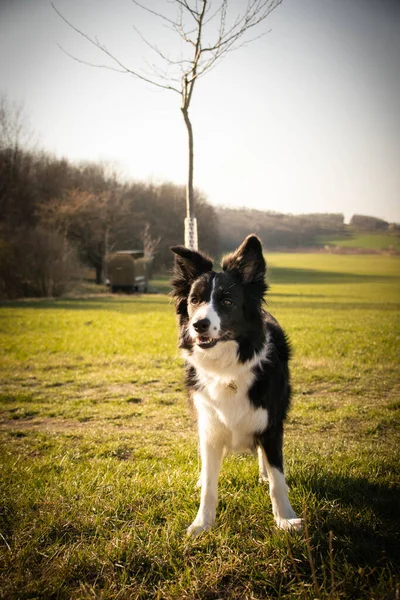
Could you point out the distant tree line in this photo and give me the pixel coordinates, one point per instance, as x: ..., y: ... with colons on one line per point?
x: 366, y: 223
x: 278, y: 231
x: 56, y: 216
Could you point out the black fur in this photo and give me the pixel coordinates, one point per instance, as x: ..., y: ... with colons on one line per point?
x: 272, y: 390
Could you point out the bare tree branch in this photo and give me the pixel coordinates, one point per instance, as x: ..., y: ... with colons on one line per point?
x: 193, y: 12
x: 153, y: 12
x: 123, y: 68
x: 155, y: 49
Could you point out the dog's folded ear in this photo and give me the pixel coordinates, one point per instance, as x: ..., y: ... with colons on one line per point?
x: 247, y: 262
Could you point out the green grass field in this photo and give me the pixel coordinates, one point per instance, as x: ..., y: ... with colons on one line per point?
x: 366, y: 241
x: 99, y: 450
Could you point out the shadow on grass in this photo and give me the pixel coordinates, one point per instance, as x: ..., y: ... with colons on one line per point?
x: 305, y: 276
x: 110, y: 303
x: 363, y: 516
x: 332, y: 305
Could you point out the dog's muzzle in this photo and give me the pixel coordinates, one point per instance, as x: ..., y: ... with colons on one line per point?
x: 203, y: 339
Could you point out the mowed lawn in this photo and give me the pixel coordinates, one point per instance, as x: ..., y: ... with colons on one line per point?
x: 99, y: 453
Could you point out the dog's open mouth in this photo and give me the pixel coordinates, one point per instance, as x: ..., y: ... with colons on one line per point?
x: 205, y: 342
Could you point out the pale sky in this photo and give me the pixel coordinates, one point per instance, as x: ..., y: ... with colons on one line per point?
x: 305, y: 119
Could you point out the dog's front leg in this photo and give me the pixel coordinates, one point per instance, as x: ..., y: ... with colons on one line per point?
x: 271, y: 469
x: 211, y: 451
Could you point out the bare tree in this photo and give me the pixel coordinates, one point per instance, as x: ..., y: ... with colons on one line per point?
x: 150, y: 244
x: 87, y: 218
x: 16, y: 164
x: 15, y: 132
x: 207, y: 32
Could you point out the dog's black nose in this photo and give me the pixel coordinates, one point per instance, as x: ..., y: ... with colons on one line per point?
x: 202, y: 325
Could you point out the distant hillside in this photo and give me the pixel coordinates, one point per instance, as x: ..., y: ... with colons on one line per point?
x: 280, y: 231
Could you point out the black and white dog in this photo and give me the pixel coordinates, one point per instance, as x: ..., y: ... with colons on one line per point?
x: 237, y: 371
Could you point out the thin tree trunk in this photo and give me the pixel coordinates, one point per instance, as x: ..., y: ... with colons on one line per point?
x: 189, y: 189
x: 191, y: 236
x: 105, y: 269
x: 99, y: 273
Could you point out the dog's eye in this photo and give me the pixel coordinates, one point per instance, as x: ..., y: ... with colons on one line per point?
x: 227, y: 302
x: 194, y: 300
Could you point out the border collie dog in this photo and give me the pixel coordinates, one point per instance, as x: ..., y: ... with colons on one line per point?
x: 236, y: 357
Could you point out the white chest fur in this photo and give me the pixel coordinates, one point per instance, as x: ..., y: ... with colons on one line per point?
x: 223, y: 405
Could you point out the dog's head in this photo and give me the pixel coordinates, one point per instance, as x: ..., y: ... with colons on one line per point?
x: 216, y: 307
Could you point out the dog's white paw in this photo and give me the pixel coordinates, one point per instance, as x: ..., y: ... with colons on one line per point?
x: 294, y: 524
x: 198, y: 527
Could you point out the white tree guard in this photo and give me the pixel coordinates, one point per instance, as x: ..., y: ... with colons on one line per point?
x: 191, y: 239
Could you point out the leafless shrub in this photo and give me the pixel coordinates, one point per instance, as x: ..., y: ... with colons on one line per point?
x: 37, y: 263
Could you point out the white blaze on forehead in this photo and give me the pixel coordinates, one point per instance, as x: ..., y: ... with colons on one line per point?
x: 207, y: 310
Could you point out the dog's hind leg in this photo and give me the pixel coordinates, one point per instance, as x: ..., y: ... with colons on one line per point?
x: 271, y: 469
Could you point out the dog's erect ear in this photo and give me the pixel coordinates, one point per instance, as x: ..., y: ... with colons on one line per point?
x: 247, y: 262
x: 189, y: 265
